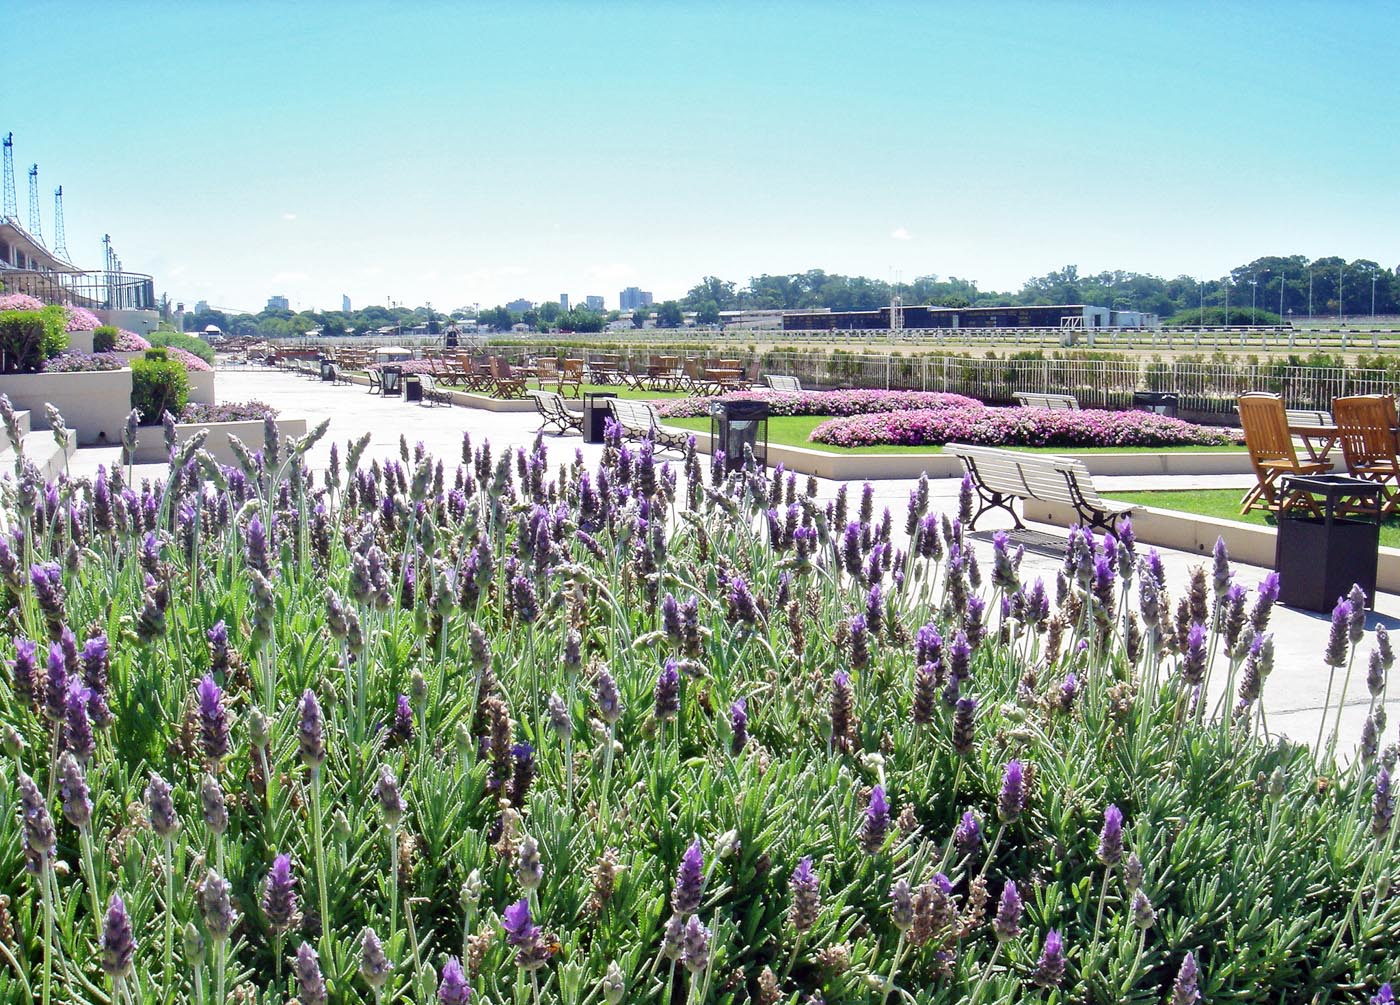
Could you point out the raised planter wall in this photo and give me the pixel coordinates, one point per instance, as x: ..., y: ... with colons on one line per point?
x: 202, y: 387
x: 95, y: 403
x: 80, y: 341
x: 150, y: 441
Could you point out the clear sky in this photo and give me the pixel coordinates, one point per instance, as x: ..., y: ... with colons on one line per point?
x: 460, y: 153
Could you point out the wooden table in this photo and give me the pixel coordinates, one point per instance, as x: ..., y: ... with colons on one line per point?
x: 1318, y: 441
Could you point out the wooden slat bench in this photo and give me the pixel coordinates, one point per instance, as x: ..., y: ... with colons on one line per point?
x: 782, y: 382
x: 999, y: 477
x: 639, y: 422
x: 550, y: 405
x: 1309, y: 417
x: 1030, y: 399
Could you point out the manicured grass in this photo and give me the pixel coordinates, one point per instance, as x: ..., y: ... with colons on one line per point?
x: 794, y: 430
x: 1224, y: 504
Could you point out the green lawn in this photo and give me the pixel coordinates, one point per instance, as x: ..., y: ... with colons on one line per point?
x: 794, y: 430
x: 1224, y: 504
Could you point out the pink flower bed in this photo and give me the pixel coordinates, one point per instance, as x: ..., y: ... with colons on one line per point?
x: 79, y: 319
x: 130, y: 342
x: 19, y: 302
x: 192, y: 362
x: 1018, y: 427
x: 852, y: 402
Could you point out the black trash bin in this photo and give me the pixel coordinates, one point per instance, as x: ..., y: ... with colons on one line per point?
x: 1158, y: 402
x: 735, y: 425
x: 412, y: 388
x: 1322, y: 549
x: 391, y: 381
x: 595, y: 413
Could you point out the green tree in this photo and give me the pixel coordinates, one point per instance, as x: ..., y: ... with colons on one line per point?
x: 668, y: 315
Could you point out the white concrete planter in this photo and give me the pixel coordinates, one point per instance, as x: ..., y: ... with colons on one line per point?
x: 202, y: 387
x: 80, y: 341
x: 150, y: 440
x: 94, y: 403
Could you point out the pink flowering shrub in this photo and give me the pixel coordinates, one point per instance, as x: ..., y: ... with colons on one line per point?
x: 192, y: 362
x: 850, y: 402
x: 1018, y: 427
x: 79, y: 319
x: 130, y: 342
x: 409, y: 366
x: 19, y: 302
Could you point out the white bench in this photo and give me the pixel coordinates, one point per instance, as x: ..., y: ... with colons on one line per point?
x: 550, y: 405
x: 1032, y: 399
x: 639, y: 422
x: 1001, y: 476
x: 433, y: 392
x: 1308, y: 417
x: 781, y: 382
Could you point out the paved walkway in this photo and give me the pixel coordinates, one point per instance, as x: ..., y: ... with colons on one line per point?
x: 1293, y: 695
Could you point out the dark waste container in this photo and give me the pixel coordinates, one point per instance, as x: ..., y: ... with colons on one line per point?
x: 735, y: 425
x: 1159, y: 402
x: 412, y: 389
x: 1329, y: 534
x: 595, y: 413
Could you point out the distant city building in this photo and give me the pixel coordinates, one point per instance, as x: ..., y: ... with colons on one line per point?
x: 201, y: 306
x: 1071, y: 316
x: 520, y: 306
x: 563, y: 301
x: 632, y: 298
x: 278, y: 303
x: 594, y: 303
x: 344, y: 303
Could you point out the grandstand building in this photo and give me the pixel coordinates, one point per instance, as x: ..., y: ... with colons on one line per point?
x: 117, y: 297
x: 1053, y: 316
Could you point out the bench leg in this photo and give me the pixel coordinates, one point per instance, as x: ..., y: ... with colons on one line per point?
x: 995, y: 500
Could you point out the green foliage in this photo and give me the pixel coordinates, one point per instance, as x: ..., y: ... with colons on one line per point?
x: 1216, y: 317
x: 104, y: 338
x: 27, y: 338
x: 158, y: 385
x: 668, y: 315
x: 179, y: 340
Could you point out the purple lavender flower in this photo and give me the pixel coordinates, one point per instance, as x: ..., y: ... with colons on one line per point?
x: 524, y: 600
x: 386, y: 792
x: 279, y: 901
x: 118, y: 943
x: 858, y: 640
x: 738, y: 725
x: 1266, y: 597
x: 806, y: 896
x: 213, y: 719
x: 1356, y: 621
x: 1337, y: 638
x: 1007, y: 923
x: 95, y: 660
x: 690, y: 881
x: 255, y: 550
x: 160, y: 807
x: 374, y: 965
x: 964, y: 726
x: 876, y: 823
x: 1050, y: 968
x: 1193, y: 663
x: 525, y: 936
x: 73, y: 790
x: 401, y: 731
x: 842, y: 710
x: 928, y: 645
x: 902, y: 905
x: 695, y: 946
x: 1144, y: 916
x: 216, y: 902
x: 1069, y: 690
x: 1385, y: 996
x: 1110, y: 851
x: 606, y: 697
x: 453, y: 989
x: 24, y: 674
x: 56, y: 684
x: 37, y: 837
x: 1185, y: 991
x: 311, y: 986
x: 1011, y: 801
x: 77, y: 728
x: 522, y: 773
x: 668, y: 692
x: 311, y: 737
x: 967, y: 835
x: 1382, y: 804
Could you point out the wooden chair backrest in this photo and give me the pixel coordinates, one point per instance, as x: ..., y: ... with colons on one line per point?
x: 1266, y: 429
x: 500, y: 369
x: 1365, y: 426
x: 547, y: 366
x: 573, y: 369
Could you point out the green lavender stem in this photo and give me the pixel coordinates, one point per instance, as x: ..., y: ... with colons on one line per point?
x: 168, y: 974
x: 986, y: 975
x: 320, y: 852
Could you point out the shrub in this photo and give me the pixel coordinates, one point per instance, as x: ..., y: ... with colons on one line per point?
x: 158, y: 385
x: 104, y: 338
x: 27, y: 338
x: 228, y: 411
x: 854, y: 402
x: 72, y: 361
x: 193, y: 363
x: 1020, y: 427
x: 20, y: 302
x: 79, y: 319
x: 191, y: 344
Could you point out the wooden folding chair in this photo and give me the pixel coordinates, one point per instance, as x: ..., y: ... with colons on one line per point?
x: 1366, y: 428
x: 1271, y: 449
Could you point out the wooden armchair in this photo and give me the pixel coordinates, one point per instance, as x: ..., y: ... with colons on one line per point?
x: 1271, y: 449
x: 506, y: 384
x: 1366, y: 428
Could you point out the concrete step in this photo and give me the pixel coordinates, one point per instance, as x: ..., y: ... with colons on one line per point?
x: 40, y: 448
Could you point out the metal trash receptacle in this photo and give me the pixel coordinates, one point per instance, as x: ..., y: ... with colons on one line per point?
x: 595, y: 414
x: 1322, y: 550
x: 412, y: 388
x: 1158, y: 402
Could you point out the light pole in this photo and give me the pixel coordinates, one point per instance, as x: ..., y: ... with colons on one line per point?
x: 1201, y: 285
x: 1227, y: 301
x: 1341, y: 311
x: 1253, y: 296
x: 1373, y: 294
x: 1309, y: 294
x: 1280, y: 297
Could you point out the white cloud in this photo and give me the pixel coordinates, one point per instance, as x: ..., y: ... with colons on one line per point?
x: 289, y: 216
x: 900, y: 234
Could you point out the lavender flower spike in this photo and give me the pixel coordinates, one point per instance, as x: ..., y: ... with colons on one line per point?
x: 1337, y: 639
x: 1011, y: 801
x: 374, y: 965
x: 1007, y: 923
x: 1110, y: 851
x: 876, y: 823
x: 279, y: 901
x: 1185, y: 991
x: 118, y: 942
x: 312, y: 735
x: 1385, y: 996
x: 967, y: 835
x: 311, y: 986
x: 690, y: 881
x: 806, y: 896
x: 213, y: 719
x: 453, y: 989
x: 1050, y: 968
x: 160, y: 807
x: 38, y: 838
x: 695, y: 946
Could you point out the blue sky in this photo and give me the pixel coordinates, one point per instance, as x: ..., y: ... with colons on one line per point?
x: 458, y: 153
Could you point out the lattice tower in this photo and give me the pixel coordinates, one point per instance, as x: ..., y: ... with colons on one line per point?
x: 60, y: 239
x: 11, y: 209
x: 36, y: 222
